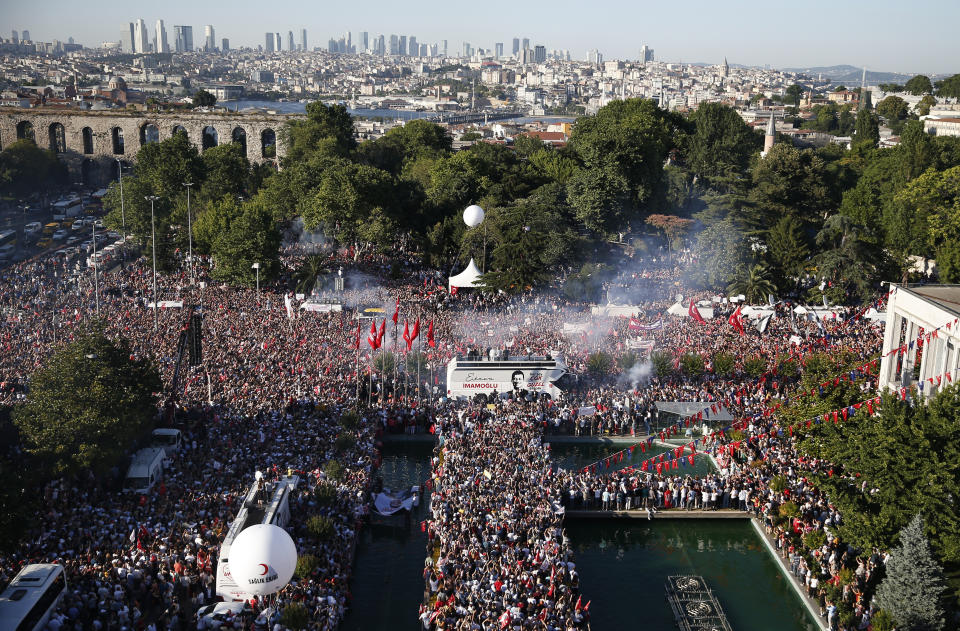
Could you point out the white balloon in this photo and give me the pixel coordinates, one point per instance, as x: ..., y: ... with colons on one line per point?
x: 262, y: 559
x: 258, y: 475
x: 473, y: 215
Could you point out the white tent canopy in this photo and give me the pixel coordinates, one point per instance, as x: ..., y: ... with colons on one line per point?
x: 469, y: 277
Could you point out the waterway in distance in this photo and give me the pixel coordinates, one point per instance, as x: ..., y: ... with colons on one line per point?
x: 623, y: 565
x: 295, y: 107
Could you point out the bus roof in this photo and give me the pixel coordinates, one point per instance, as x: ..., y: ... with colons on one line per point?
x: 24, y: 592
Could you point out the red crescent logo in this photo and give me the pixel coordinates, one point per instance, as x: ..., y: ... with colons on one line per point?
x: 265, y: 569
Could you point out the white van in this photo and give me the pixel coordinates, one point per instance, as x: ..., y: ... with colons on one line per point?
x: 167, y: 438
x: 33, y: 228
x: 146, y: 469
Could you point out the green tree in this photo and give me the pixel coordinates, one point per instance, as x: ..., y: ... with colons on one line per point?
x: 934, y: 199
x: 723, y: 364
x: 788, y: 181
x: 787, y: 248
x: 721, y: 145
x: 754, y: 283
x: 794, y: 93
x: 867, y: 131
x: 226, y: 171
x: 849, y: 257
x: 625, y: 143
x: 25, y: 169
x: 88, y: 404
x: 949, y: 88
x: 918, y: 85
x: 352, y: 203
x: 913, y: 589
x: 599, y: 364
x: 212, y: 221
x: 893, y: 108
x: 252, y: 237
x: 326, y: 127
x: 202, y: 98
x: 295, y: 616
x: 923, y: 107
x: 600, y: 198
x: 721, y: 252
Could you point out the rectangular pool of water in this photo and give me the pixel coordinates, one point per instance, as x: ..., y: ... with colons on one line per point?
x: 623, y: 569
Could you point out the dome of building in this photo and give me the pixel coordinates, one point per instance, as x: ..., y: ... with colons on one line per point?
x: 117, y: 83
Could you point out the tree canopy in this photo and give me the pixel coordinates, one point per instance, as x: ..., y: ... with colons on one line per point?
x: 88, y: 404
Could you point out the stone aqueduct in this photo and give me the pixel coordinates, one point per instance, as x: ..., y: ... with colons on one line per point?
x: 90, y: 143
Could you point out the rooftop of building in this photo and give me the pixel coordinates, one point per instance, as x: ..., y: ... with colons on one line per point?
x: 947, y: 297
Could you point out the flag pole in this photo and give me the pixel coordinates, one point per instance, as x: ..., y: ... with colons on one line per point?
x: 419, y: 359
x: 357, y: 397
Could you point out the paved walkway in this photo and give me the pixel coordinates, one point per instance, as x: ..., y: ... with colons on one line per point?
x: 673, y: 513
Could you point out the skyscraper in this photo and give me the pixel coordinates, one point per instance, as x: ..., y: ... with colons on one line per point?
x: 210, y: 44
x: 26, y: 35
x: 394, y: 44
x: 141, y: 41
x: 290, y: 44
x: 539, y: 54
x: 162, y: 46
x: 183, y: 38
x: 498, y: 50
x: 276, y: 42
x: 466, y: 49
x: 225, y: 45
x: 269, y: 43
x: 526, y: 42
x: 402, y: 45
x: 444, y: 48
x: 303, y: 39
x: 364, y: 44
x: 413, y: 48
x: 516, y: 45
x: 16, y: 36
x: 129, y: 37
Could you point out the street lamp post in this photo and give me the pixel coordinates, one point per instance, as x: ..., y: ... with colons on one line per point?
x: 96, y: 276
x: 188, y: 185
x: 256, y: 266
x: 123, y: 215
x: 153, y: 246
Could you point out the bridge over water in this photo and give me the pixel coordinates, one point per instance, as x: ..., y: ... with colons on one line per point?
x: 92, y: 143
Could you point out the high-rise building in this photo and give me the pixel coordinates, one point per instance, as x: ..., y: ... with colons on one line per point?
x: 141, y: 40
x: 467, y: 50
x: 276, y: 42
x: 269, y: 43
x: 161, y: 42
x: 646, y: 54
x: 26, y: 35
x: 16, y: 36
x: 364, y: 44
x: 210, y: 43
x: 425, y: 51
x: 303, y: 39
x: 498, y: 50
x: 394, y: 44
x: 413, y: 48
x: 381, y: 44
x: 290, y: 43
x: 526, y: 42
x: 129, y: 37
x: 444, y: 48
x: 402, y: 45
x: 225, y: 44
x: 183, y: 38
x: 539, y: 54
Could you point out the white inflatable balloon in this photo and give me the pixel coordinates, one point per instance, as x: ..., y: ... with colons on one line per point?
x: 473, y: 215
x: 262, y: 559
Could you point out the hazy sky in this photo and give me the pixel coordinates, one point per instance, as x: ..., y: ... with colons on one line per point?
x: 919, y: 36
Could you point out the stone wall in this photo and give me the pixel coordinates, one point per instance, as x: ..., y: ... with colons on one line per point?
x: 96, y: 164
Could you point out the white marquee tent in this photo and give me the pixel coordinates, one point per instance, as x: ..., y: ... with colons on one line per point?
x: 468, y: 278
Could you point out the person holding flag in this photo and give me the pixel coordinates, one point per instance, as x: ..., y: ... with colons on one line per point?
x: 694, y: 313
x: 736, y: 320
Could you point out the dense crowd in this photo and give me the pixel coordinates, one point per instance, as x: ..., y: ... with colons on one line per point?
x: 269, y: 396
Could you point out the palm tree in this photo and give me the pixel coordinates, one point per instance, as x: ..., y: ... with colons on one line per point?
x: 309, y: 272
x: 849, y: 255
x: 755, y: 284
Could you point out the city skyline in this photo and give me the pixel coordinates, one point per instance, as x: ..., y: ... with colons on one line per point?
x: 747, y: 34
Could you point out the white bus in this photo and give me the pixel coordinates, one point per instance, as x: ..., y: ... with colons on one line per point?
x: 481, y: 379
x: 30, y: 598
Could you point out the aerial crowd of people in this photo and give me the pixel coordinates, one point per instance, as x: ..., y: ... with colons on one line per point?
x: 275, y: 383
